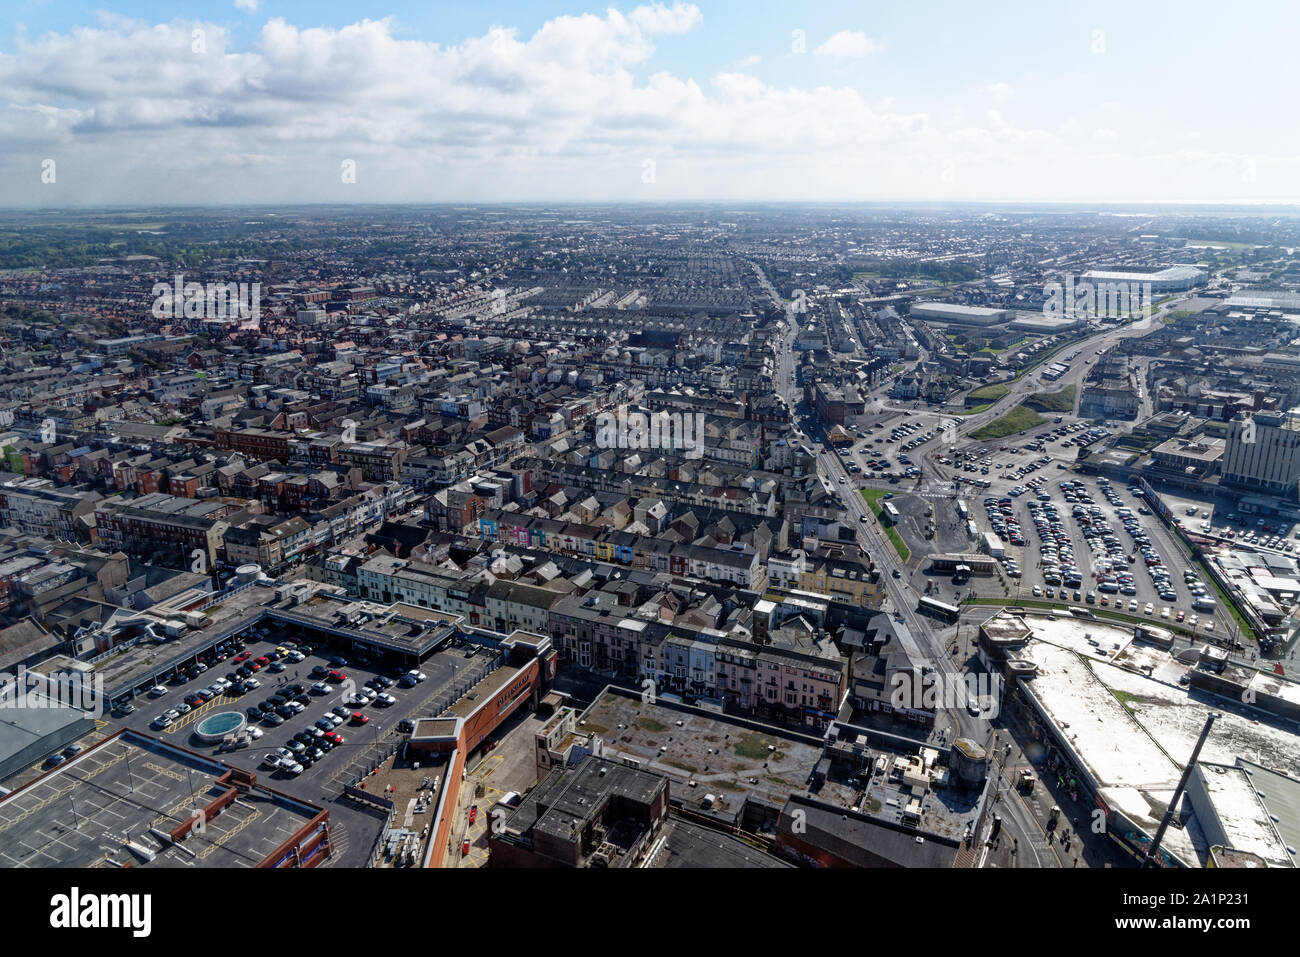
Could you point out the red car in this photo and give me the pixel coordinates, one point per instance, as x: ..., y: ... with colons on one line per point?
x: 473, y: 814
x: 334, y: 737
x: 255, y: 666
x: 359, y: 718
x: 337, y: 677
x: 464, y: 849
x: 243, y: 656
x: 264, y: 660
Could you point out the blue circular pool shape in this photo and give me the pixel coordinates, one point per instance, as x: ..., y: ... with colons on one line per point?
x: 215, y: 727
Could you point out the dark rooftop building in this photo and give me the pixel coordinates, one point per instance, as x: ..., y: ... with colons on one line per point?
x: 599, y: 814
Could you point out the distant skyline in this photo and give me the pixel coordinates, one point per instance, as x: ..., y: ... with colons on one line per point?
x: 262, y: 102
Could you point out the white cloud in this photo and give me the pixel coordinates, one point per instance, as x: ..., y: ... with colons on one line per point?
x: 133, y: 115
x: 658, y: 18
x: 999, y: 92
x: 249, y: 5
x: 752, y: 60
x: 849, y: 43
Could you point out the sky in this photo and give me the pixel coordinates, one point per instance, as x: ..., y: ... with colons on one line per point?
x: 263, y: 101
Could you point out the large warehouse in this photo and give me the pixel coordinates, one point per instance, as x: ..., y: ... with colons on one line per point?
x: 962, y: 315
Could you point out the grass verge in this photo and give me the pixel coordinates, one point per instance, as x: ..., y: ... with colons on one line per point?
x: 1018, y: 419
x: 873, y: 498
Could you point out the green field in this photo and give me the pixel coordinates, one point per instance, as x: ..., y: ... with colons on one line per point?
x: 1062, y: 401
x: 1017, y: 420
x: 994, y: 392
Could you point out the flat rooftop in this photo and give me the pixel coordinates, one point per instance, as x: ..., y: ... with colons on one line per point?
x: 723, y: 757
x: 485, y: 690
x: 1244, y: 817
x: 135, y: 665
x: 685, y: 844
x: 81, y: 813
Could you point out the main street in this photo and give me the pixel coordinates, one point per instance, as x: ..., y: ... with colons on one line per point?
x: 899, y: 597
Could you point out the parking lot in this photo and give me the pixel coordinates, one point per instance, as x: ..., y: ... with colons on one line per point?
x: 890, y: 446
x: 360, y: 742
x: 1085, y: 540
x: 1214, y: 518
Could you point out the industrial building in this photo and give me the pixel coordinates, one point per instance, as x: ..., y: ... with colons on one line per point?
x: 959, y: 314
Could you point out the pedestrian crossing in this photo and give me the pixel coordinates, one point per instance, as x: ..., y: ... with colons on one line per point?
x: 194, y: 714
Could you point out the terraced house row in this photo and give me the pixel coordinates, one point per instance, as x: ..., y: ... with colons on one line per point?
x: 737, y: 564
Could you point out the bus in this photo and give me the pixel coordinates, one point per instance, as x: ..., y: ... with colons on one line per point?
x: 938, y: 609
x: 889, y: 513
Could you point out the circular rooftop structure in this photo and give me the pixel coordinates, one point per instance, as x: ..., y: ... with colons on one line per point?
x: 216, y: 726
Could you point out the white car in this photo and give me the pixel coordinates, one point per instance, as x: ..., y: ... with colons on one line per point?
x: 321, y: 687
x: 297, y: 707
x: 284, y: 754
x: 417, y: 675
x: 157, y: 691
x: 1193, y: 621
x: 252, y: 683
x: 385, y: 699
x: 253, y: 731
x: 368, y: 693
x: 171, y: 714
x: 357, y: 699
x: 161, y: 721
x: 291, y: 767
x: 332, y: 718
x: 297, y: 656
x: 271, y: 761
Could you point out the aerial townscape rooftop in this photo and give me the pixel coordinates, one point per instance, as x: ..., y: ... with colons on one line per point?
x: 658, y: 437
